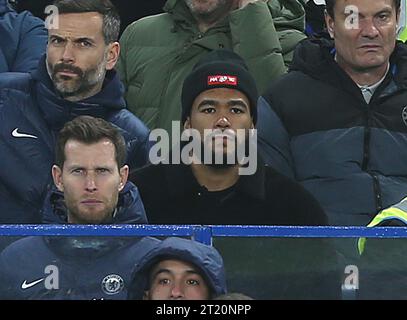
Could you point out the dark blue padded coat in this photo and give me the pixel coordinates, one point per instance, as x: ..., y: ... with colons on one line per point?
x: 81, y: 267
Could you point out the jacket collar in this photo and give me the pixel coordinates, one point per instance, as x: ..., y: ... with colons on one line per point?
x: 183, y: 18
x: 57, y: 111
x: 88, y: 248
x: 186, y: 183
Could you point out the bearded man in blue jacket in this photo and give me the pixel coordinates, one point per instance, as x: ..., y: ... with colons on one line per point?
x: 91, y: 181
x: 76, y: 77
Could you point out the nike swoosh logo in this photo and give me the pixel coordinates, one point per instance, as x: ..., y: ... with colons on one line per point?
x: 17, y: 134
x: 26, y: 285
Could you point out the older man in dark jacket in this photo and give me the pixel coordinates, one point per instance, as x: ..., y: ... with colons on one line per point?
x: 75, y: 78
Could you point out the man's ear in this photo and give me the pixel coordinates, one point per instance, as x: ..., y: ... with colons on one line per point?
x: 113, y: 53
x: 146, y: 295
x: 330, y: 24
x: 187, y: 123
x: 124, y: 174
x: 57, y: 177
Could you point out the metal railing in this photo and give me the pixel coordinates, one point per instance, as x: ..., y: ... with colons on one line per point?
x: 202, y: 233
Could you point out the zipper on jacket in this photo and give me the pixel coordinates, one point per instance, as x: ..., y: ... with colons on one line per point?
x: 366, y: 158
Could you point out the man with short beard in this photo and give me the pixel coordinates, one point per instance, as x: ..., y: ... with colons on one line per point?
x: 221, y: 95
x: 338, y: 133
x: 342, y: 133
x: 75, y: 77
x: 159, y: 51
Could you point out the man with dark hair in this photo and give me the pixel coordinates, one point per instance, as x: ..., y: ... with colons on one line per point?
x: 314, y: 17
x: 342, y: 133
x: 92, y: 188
x: 179, y: 269
x: 159, y: 51
x: 76, y: 77
x: 23, y: 39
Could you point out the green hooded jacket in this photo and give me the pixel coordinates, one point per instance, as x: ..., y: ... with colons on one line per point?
x: 158, y: 52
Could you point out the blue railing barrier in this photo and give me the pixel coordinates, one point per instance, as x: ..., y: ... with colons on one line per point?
x: 206, y: 233
x: 202, y: 233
